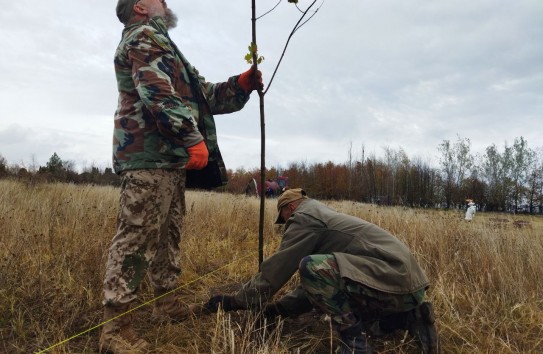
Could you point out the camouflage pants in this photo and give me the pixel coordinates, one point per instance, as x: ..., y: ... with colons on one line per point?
x: 149, y: 227
x: 347, y: 301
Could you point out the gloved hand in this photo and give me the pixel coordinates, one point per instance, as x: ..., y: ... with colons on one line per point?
x: 271, y: 311
x: 198, y: 156
x: 250, y: 81
x: 225, y: 301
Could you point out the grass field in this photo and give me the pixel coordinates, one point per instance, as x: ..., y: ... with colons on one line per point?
x: 486, y: 275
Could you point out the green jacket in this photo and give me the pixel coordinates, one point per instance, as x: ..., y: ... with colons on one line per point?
x: 365, y: 253
x: 164, y: 104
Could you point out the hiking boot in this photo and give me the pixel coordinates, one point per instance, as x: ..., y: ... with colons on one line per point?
x: 118, y: 336
x: 353, y: 341
x: 170, y: 309
x: 421, y: 325
x: 387, y: 324
x: 394, y: 322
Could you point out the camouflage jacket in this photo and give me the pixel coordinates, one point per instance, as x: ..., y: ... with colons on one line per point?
x: 164, y: 104
x: 365, y: 253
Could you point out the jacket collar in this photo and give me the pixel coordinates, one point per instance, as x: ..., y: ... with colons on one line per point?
x: 157, y: 22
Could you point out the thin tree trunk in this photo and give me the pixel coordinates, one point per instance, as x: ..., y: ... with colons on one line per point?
x: 262, y: 149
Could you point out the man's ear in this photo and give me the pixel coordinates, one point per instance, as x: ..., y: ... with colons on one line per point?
x: 140, y: 9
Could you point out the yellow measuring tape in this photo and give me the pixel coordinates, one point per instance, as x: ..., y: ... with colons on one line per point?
x: 141, y: 305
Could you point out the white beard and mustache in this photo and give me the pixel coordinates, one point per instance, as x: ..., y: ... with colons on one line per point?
x: 170, y: 18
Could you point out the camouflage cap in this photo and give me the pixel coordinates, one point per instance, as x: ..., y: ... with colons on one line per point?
x: 289, y: 195
x: 124, y: 10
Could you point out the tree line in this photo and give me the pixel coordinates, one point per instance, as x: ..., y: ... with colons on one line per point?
x: 507, y: 179
x: 58, y: 170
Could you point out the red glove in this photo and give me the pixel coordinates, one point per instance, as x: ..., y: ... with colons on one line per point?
x: 198, y: 156
x: 250, y: 80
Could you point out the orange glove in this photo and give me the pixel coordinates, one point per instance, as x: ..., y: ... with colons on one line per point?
x: 250, y: 80
x: 198, y: 156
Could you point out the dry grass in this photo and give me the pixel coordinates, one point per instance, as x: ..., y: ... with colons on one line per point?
x: 485, y: 276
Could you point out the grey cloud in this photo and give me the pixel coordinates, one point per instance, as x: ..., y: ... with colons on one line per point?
x: 398, y: 73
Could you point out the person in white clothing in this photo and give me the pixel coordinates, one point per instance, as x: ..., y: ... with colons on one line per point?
x: 470, y: 212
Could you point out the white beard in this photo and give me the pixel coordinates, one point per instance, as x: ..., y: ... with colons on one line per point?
x: 170, y: 19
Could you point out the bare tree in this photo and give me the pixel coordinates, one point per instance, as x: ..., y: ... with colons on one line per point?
x: 494, y: 170
x: 522, y: 158
x: 255, y: 59
x: 535, y: 182
x: 456, y: 160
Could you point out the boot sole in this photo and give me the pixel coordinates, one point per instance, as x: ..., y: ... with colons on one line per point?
x: 423, y: 328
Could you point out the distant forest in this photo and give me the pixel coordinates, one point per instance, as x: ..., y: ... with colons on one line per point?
x: 507, y: 179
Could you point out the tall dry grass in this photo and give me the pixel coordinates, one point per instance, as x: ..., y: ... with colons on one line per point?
x: 486, y: 284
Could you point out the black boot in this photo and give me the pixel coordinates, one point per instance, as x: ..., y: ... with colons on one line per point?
x: 421, y: 325
x: 393, y: 322
x: 353, y: 341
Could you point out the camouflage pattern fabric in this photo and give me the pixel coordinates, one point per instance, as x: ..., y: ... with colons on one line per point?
x: 341, y: 298
x: 162, y: 100
x: 149, y: 229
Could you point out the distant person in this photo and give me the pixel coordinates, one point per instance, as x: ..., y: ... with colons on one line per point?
x: 164, y: 127
x: 470, y: 212
x: 361, y: 275
x: 251, y: 189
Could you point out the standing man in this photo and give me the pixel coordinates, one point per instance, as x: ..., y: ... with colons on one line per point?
x: 163, y: 126
x: 359, y: 274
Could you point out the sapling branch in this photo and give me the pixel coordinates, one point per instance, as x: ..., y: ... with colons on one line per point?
x: 253, y: 58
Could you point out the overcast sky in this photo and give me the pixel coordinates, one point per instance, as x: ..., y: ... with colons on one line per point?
x: 372, y: 73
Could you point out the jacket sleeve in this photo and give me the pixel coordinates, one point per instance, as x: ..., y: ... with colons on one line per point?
x: 153, y: 74
x: 224, y: 97
x: 300, y: 239
x: 295, y: 302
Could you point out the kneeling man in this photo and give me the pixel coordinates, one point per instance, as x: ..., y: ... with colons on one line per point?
x: 361, y: 275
